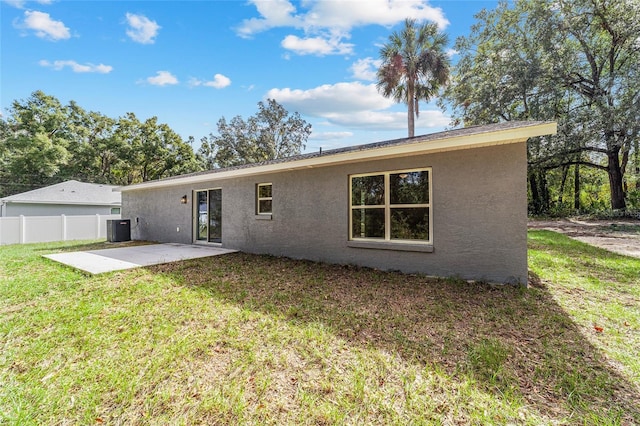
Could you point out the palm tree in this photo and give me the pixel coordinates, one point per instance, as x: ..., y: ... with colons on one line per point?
x: 414, y: 66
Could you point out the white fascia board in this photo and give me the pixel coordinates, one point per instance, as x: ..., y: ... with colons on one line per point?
x: 478, y: 140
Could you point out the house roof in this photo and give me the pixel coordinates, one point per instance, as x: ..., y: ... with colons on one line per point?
x: 70, y: 192
x: 464, y: 138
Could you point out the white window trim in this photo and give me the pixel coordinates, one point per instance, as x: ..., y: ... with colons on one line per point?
x: 387, y: 209
x: 259, y: 198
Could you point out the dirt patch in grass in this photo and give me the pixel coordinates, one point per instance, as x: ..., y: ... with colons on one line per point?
x: 618, y: 236
x: 508, y: 340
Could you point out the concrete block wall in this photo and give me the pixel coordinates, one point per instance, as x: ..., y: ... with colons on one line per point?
x: 479, y: 210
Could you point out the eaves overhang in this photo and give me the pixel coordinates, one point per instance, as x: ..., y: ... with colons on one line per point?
x: 428, y: 144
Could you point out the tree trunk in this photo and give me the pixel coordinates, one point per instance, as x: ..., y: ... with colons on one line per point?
x: 535, y: 195
x: 565, y: 173
x: 539, y: 191
x: 576, y: 187
x: 544, y: 191
x: 636, y: 162
x: 411, y: 111
x: 615, y: 180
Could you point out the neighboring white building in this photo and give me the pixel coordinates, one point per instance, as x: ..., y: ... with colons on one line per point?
x: 69, y: 198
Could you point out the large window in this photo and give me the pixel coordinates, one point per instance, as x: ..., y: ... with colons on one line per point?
x: 391, y: 206
x: 264, y: 200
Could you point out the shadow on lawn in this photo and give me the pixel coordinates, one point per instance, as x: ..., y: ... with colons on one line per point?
x: 511, y: 340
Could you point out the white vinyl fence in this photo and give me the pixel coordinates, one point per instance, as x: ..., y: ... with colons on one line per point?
x: 41, y: 229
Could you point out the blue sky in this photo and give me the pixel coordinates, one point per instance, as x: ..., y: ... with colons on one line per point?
x: 192, y: 62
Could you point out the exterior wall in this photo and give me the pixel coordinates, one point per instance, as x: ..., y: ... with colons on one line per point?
x: 34, y: 209
x: 479, y: 210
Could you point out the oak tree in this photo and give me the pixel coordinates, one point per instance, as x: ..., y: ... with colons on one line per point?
x: 271, y: 133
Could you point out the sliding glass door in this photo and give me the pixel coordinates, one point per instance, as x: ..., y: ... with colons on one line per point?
x: 209, y: 215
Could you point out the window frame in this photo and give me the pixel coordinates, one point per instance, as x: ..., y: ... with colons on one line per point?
x: 195, y: 229
x: 259, y: 198
x: 387, y: 206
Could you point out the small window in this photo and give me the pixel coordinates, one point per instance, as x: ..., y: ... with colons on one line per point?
x: 264, y: 198
x: 115, y: 210
x: 391, y: 206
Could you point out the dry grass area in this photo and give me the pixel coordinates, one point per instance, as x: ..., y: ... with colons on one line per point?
x: 245, y: 339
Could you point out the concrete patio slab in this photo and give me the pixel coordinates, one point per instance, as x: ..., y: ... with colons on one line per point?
x: 115, y: 259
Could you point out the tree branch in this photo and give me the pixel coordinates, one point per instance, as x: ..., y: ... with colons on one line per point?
x: 575, y: 162
x: 569, y: 152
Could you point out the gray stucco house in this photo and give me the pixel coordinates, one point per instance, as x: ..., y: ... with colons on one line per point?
x: 452, y: 203
x: 69, y: 198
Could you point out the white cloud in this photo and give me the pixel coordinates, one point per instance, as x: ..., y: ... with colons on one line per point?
x: 330, y: 98
x: 372, y: 120
x: 318, y: 18
x: 44, y: 26
x: 15, y: 3
x: 349, y: 14
x: 275, y: 13
x: 219, y: 82
x: 316, y: 46
x: 142, y: 29
x: 162, y: 78
x: 388, y: 120
x: 329, y: 136
x: 365, y: 69
x: 353, y: 105
x: 19, y: 4
x: 338, y: 14
x: 369, y: 119
x: 76, y: 67
x: 432, y: 118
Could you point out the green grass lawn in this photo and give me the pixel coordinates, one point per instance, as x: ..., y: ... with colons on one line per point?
x: 244, y: 339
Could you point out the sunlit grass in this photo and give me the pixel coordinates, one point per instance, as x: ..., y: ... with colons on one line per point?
x: 600, y: 290
x: 242, y: 339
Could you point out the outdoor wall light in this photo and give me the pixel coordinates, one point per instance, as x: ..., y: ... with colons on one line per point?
x: 183, y: 200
